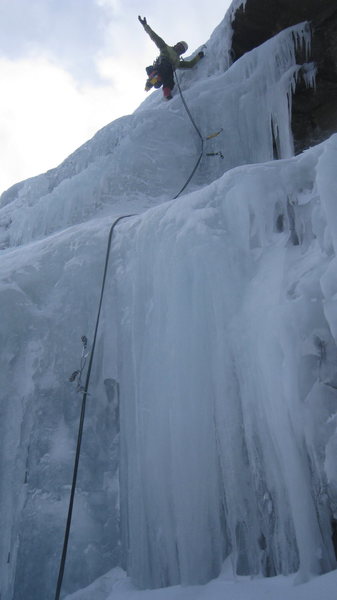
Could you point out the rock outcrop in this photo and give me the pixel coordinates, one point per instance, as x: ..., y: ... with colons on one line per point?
x: 314, y: 114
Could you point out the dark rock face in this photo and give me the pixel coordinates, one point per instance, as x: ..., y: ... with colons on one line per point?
x: 314, y: 114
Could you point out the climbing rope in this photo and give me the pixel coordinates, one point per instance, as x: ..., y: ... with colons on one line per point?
x: 188, y: 110
x: 83, y: 407
x: 199, y: 134
x: 78, y: 374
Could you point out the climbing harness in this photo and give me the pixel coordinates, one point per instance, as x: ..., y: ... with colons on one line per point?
x: 83, y: 407
x: 209, y: 137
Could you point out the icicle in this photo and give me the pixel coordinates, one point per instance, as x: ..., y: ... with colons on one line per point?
x: 309, y: 72
x: 302, y: 37
x: 235, y: 6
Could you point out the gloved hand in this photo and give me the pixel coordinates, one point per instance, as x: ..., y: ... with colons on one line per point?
x: 201, y: 54
x: 142, y: 21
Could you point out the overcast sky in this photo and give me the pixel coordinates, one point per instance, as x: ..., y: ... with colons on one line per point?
x: 69, y: 67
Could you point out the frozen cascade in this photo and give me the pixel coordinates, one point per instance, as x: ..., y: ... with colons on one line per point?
x: 219, y: 325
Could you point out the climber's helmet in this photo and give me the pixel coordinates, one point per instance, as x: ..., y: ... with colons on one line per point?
x: 181, y: 47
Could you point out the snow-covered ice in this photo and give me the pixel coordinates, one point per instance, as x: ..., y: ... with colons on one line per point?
x: 116, y: 586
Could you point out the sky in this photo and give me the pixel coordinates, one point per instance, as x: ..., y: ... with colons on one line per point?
x: 69, y: 67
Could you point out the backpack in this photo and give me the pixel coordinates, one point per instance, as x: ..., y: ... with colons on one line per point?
x: 154, y: 79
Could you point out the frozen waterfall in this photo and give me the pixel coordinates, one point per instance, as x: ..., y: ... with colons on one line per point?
x: 211, y: 424
x: 227, y: 396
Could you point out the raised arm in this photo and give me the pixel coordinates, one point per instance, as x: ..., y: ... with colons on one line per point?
x: 154, y: 37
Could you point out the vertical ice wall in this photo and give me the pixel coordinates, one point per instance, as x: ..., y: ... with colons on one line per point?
x: 220, y: 323
x: 49, y: 292
x: 204, y: 469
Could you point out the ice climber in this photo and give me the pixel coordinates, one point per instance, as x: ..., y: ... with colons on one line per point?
x: 161, y: 72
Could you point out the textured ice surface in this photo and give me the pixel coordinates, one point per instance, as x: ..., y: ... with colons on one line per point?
x: 227, y: 368
x: 219, y: 326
